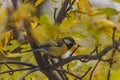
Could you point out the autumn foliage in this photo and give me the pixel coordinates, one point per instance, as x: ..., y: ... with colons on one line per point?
x: 25, y: 27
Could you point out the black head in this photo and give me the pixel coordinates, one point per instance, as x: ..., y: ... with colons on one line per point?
x: 69, y: 41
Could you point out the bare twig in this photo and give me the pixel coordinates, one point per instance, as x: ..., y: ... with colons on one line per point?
x: 86, y: 72
x: 17, y: 63
x: 71, y: 74
x: 15, y: 70
x: 12, y: 72
x: 96, y: 47
x: 113, y: 35
x: 110, y: 64
x: 55, y: 10
x: 70, y: 6
x: 78, y: 77
x: 61, y: 13
x: 31, y: 71
x: 91, y: 74
x: 86, y: 59
x: 112, y: 55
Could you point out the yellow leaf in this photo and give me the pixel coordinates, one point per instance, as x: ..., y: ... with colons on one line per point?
x: 3, y: 20
x: 38, y: 2
x: 104, y: 25
x: 24, y: 11
x: 8, y: 36
x: 46, y: 33
x: 34, y: 24
x: 1, y: 44
x: 84, y: 6
x: 10, y: 55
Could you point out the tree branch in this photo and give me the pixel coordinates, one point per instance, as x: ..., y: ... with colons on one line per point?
x: 17, y: 63
x: 91, y: 74
x: 62, y: 11
x: 110, y: 64
x: 71, y: 74
x: 86, y: 72
x: 90, y: 57
x: 15, y: 70
x: 70, y: 6
x: 38, y: 56
x: 31, y: 71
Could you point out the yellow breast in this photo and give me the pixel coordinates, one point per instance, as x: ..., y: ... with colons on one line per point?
x: 57, y: 51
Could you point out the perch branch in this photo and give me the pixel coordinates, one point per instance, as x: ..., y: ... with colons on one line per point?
x: 90, y: 57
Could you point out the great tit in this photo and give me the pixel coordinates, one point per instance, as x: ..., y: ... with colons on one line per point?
x: 58, y: 47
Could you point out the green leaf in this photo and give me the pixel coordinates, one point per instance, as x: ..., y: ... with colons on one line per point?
x: 44, y: 19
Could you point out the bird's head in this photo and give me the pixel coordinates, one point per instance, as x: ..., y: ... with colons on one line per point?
x: 69, y: 41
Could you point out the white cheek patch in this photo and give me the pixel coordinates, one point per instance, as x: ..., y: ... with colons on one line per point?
x: 67, y: 41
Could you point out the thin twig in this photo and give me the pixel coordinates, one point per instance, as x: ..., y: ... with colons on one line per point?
x: 17, y: 63
x: 113, y: 35
x: 71, y: 74
x: 97, y: 50
x: 55, y: 10
x: 31, y: 71
x: 91, y: 74
x: 86, y: 72
x: 86, y: 59
x: 12, y: 72
x: 61, y: 13
x: 70, y: 6
x: 94, y: 50
x: 112, y: 55
x: 15, y: 70
x: 68, y: 68
x: 110, y: 64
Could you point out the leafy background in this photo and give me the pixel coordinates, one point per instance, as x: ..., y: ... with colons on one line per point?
x: 88, y: 26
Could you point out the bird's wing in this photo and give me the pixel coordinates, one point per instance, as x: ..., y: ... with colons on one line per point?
x: 45, y: 46
x: 52, y: 44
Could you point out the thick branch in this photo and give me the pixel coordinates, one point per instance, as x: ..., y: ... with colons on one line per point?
x: 38, y: 56
x: 39, y: 59
x: 90, y: 57
x: 62, y: 11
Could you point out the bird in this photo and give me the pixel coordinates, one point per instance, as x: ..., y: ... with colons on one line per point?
x: 57, y: 48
